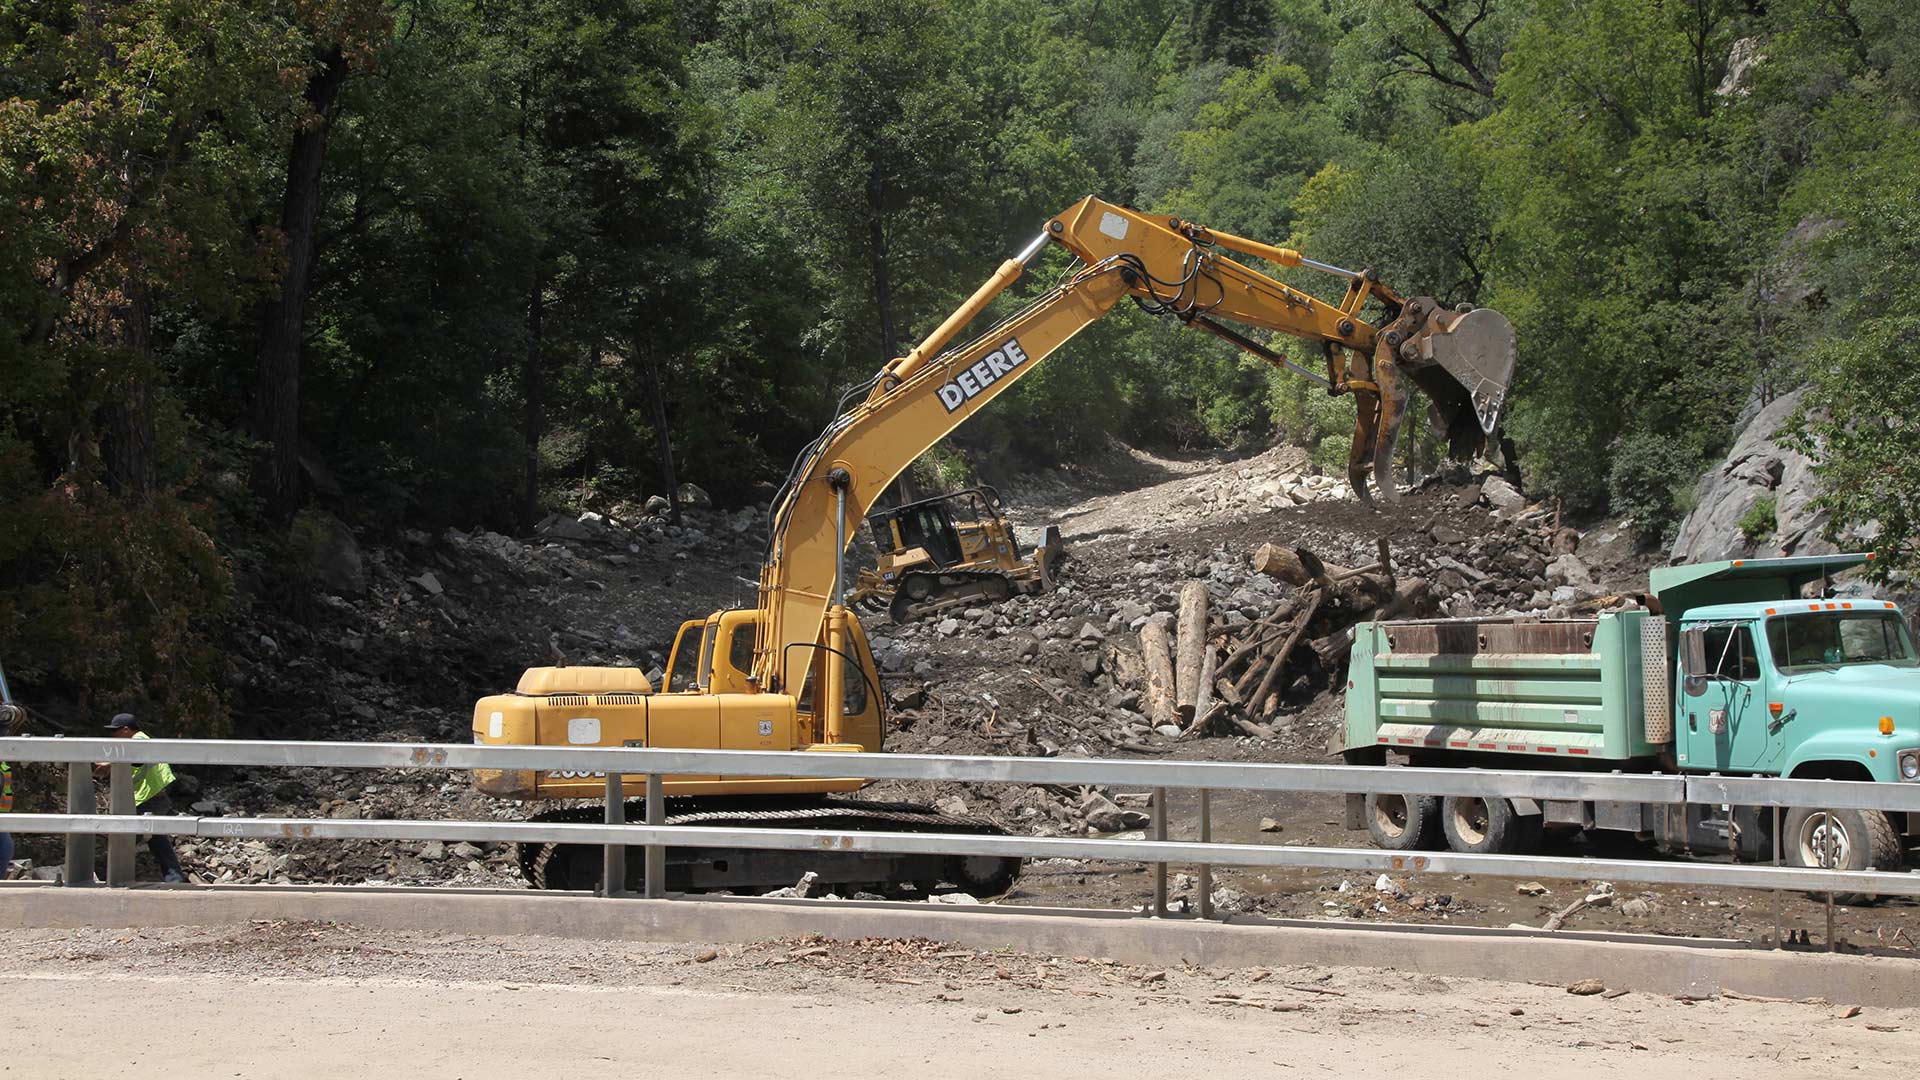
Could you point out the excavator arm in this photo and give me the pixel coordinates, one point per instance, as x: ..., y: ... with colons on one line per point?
x: 1169, y: 267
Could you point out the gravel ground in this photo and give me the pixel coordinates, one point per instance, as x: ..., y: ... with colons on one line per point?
x: 309, y: 999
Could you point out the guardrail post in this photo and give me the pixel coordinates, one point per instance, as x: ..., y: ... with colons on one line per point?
x: 79, y: 845
x: 613, y: 874
x: 656, y: 883
x: 1159, y: 868
x: 1826, y: 861
x: 120, y: 845
x: 1777, y: 935
x: 1206, y: 869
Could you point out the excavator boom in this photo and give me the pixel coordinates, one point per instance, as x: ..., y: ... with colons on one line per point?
x: 1169, y: 267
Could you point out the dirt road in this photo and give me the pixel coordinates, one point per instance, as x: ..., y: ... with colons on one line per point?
x: 301, y: 1000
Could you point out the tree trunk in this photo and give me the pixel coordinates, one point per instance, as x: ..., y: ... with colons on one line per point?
x: 129, y: 421
x: 533, y: 381
x: 663, y: 438
x: 1158, y: 701
x: 877, y: 263
x: 277, y: 378
x: 1191, y: 649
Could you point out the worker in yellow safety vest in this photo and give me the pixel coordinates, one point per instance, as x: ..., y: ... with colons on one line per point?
x: 6, y: 806
x: 150, y: 796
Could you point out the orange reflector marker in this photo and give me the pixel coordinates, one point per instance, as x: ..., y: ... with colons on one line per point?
x: 1889, y: 605
x: 1873, y: 753
x: 1886, y: 725
x: 1739, y: 562
x: 1770, y: 611
x: 1775, y: 707
x: 1846, y: 607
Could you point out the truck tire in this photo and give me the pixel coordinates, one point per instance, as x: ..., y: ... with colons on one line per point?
x: 1490, y: 826
x: 1403, y: 822
x: 1860, y: 839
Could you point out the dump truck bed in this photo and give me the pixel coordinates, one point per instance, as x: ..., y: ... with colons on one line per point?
x: 1573, y: 688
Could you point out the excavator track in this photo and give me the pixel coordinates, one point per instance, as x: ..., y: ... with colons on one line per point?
x: 554, y: 865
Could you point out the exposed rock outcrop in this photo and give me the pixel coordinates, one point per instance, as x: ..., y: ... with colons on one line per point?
x: 1758, y: 467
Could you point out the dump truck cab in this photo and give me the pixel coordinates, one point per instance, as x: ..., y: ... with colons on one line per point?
x: 1808, y: 688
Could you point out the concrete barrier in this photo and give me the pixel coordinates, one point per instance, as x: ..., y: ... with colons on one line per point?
x: 1646, y: 964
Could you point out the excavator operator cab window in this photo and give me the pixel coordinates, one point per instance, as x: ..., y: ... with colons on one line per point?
x: 854, y: 699
x: 704, y: 673
x: 681, y: 676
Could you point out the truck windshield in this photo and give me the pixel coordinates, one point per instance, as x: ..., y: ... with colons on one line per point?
x: 1828, y: 639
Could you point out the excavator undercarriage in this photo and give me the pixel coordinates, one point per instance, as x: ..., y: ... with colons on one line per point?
x: 697, y: 869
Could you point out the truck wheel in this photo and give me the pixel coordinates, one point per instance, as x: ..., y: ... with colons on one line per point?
x: 1476, y: 826
x: 1403, y: 822
x: 1844, y: 840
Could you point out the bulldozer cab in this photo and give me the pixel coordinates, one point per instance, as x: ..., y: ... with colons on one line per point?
x: 929, y: 524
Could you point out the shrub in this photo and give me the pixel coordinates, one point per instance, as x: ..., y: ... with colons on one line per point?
x: 1759, y: 522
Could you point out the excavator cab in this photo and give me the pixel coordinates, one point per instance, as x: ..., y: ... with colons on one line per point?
x: 948, y: 551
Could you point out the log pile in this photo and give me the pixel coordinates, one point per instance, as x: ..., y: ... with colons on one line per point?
x: 1206, y: 679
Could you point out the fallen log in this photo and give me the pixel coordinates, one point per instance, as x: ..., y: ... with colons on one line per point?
x: 1203, y: 701
x: 1187, y: 679
x: 1157, y: 700
x: 1295, y: 566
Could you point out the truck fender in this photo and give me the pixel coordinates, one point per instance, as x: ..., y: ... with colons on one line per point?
x: 1846, y: 746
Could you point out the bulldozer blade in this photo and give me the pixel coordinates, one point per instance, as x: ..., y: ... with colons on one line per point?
x: 1477, y: 350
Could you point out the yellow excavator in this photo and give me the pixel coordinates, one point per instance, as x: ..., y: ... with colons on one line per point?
x: 795, y: 672
x: 950, y: 551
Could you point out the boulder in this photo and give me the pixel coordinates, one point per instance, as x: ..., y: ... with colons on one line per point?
x: 562, y: 527
x: 1758, y: 466
x: 1568, y: 570
x: 1502, y: 496
x: 329, y: 549
x: 693, y: 495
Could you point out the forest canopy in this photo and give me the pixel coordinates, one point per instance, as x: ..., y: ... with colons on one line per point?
x: 465, y: 261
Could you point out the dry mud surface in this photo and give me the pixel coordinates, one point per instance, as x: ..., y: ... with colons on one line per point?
x: 283, y: 999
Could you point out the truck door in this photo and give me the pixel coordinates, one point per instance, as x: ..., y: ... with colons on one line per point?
x: 1723, y: 711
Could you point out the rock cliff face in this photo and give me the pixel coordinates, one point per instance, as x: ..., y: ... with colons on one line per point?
x: 1758, y: 467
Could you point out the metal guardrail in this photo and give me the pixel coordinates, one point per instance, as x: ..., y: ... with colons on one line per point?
x: 121, y: 826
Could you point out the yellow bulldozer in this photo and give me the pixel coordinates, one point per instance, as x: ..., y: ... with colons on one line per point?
x: 951, y: 551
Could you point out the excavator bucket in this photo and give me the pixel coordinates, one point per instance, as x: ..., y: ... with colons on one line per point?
x: 1477, y: 350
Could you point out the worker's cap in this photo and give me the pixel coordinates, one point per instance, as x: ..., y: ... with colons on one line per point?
x: 125, y: 719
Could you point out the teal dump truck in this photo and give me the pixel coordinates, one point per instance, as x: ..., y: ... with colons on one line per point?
x: 1729, y: 669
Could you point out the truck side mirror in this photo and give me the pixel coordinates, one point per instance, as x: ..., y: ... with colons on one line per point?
x: 1693, y: 661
